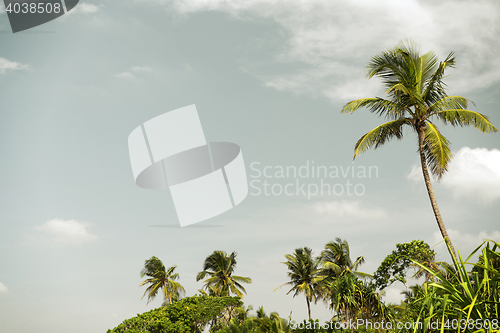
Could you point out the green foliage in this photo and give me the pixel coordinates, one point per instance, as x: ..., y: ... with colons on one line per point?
x: 261, y: 323
x: 476, y: 298
x: 396, y: 265
x: 221, y: 281
x: 188, y: 315
x: 341, y: 286
x: 160, y: 278
x: 336, y: 260
x: 456, y: 306
x: 416, y: 94
x: 303, y: 273
x: 468, y: 296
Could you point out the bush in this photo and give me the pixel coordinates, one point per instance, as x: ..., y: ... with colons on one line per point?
x: 188, y: 315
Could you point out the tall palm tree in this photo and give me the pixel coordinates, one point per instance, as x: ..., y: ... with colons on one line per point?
x: 303, y: 271
x: 416, y: 97
x: 220, y: 268
x: 161, y: 278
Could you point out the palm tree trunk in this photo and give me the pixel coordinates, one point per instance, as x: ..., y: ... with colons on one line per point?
x: 308, y: 307
x: 430, y: 191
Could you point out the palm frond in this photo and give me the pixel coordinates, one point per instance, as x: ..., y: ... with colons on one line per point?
x: 437, y: 150
x: 219, y: 266
x: 376, y: 105
x: 459, y: 117
x: 428, y: 65
x: 161, y: 278
x: 380, y: 135
x: 434, y: 89
x: 449, y: 102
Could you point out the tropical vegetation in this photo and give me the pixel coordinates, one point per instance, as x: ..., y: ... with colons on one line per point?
x: 463, y: 296
x: 439, y: 302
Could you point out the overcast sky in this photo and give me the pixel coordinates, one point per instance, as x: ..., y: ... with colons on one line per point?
x: 270, y: 76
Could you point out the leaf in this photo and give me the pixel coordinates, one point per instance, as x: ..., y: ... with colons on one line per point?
x: 437, y: 150
x: 458, y: 117
x: 380, y: 135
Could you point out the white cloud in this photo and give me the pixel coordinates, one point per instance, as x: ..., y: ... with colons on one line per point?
x: 65, y: 232
x: 415, y: 174
x: 7, y: 65
x: 346, y: 208
x: 465, y: 242
x: 3, y: 289
x: 85, y: 8
x: 125, y: 75
x: 474, y: 174
x: 133, y: 72
x: 335, y: 39
x: 140, y: 68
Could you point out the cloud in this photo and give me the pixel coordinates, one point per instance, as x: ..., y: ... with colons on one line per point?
x: 125, y: 75
x: 129, y: 75
x: 474, y: 174
x: 465, y: 242
x: 415, y: 175
x: 85, y: 8
x: 333, y: 40
x: 64, y: 232
x: 346, y: 208
x: 141, y: 68
x: 3, y: 289
x: 7, y: 65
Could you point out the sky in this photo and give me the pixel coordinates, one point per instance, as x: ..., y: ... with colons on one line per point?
x: 270, y: 76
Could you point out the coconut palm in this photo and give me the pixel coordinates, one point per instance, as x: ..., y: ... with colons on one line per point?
x: 161, y: 278
x: 303, y: 271
x: 220, y: 268
x: 336, y: 260
x: 416, y: 98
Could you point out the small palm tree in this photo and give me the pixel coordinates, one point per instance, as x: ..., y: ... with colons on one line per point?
x: 303, y: 271
x: 346, y: 296
x: 161, y: 278
x: 221, y: 281
x: 417, y: 97
x: 336, y: 260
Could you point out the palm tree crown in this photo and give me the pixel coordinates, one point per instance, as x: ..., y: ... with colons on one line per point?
x: 161, y: 278
x: 416, y: 98
x: 220, y: 268
x: 336, y: 260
